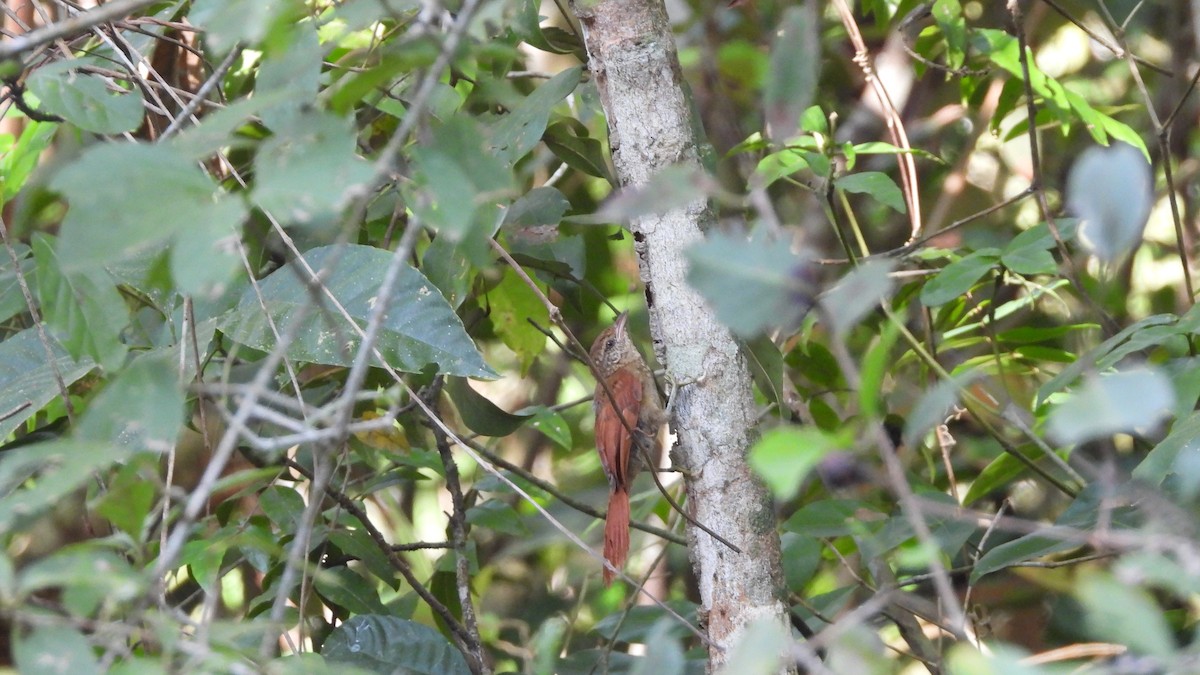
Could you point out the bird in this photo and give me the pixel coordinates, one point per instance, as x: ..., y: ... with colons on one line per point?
x: 635, y: 405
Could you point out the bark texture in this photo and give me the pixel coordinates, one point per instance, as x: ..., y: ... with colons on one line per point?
x: 632, y: 57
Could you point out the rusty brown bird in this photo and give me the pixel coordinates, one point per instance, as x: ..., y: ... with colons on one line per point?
x: 636, y: 401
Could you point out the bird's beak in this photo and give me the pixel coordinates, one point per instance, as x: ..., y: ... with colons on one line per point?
x: 619, y: 324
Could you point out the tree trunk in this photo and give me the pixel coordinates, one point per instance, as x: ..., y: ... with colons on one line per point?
x: 632, y: 56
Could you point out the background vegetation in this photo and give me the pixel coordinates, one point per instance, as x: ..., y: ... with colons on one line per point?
x: 286, y: 382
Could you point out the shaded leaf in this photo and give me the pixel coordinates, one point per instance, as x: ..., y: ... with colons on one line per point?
x: 142, y: 409
x: 958, y: 277
x: 54, y: 650
x: 419, y: 328
x: 518, y: 132
x: 856, y: 294
x: 792, y: 75
x: 173, y: 200
x: 85, y: 100
x: 27, y: 377
x: 478, y: 413
x: 309, y: 170
x: 389, y: 645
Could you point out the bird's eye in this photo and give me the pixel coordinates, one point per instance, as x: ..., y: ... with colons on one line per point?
x: 608, y: 344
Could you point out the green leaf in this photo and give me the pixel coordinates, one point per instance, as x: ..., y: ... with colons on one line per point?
x: 18, y: 162
x: 876, y: 366
x: 879, y: 185
x: 539, y: 206
x: 478, y: 413
x: 85, y: 100
x: 1117, y: 402
x: 514, y: 305
x: 1082, y: 514
x: 1177, y: 451
x: 358, y: 544
x: 283, y: 505
x: 378, y: 643
x: 801, y: 559
x: 1124, y: 613
x: 54, y: 650
x: 553, y: 426
x: 347, y: 589
x: 766, y: 366
x: 1027, y: 253
x: 834, y: 518
x: 752, y: 285
x: 1112, y: 349
x: 784, y: 456
x: 61, y: 467
x: 1001, y: 471
x: 128, y: 501
x: 934, y: 406
x: 667, y: 657
x: 174, y: 199
x: 84, y: 308
x: 142, y: 409
x: 948, y: 15
x: 308, y: 171
x: 28, y: 377
x: 779, y: 164
x: 958, y: 277
x: 294, y: 72
x: 460, y: 185
x: 88, y: 576
x: 792, y: 75
x: 229, y: 22
x: 419, y: 329
x: 857, y: 294
x: 448, y: 268
x: 497, y: 516
x: 568, y: 140
x: 519, y: 131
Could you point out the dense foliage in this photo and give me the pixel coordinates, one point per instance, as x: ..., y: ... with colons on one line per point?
x: 294, y: 296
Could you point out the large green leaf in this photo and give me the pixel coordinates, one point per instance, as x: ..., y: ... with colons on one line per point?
x: 308, y: 171
x: 392, y: 646
x: 132, y: 199
x: 142, y: 409
x: 460, y: 186
x: 27, y: 377
x: 54, y: 650
x: 419, y: 328
x: 85, y: 100
x: 84, y: 308
x: 61, y: 467
x: 1082, y: 514
x: 752, y: 285
x: 518, y: 132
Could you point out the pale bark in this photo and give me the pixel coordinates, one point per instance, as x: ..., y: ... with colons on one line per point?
x: 632, y: 57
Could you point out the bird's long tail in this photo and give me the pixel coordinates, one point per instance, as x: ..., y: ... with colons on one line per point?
x: 616, y: 532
